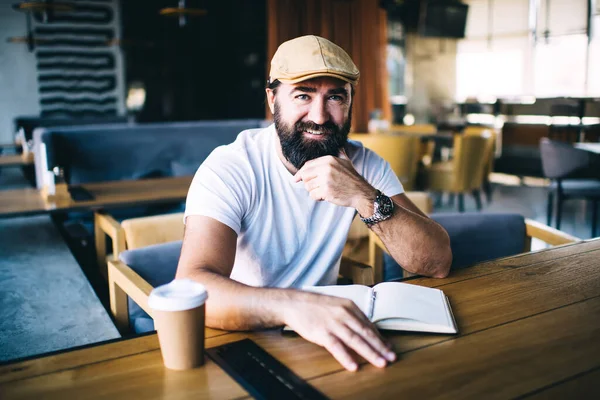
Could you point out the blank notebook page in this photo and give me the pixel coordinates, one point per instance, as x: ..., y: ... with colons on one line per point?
x: 412, y: 302
x: 361, y: 295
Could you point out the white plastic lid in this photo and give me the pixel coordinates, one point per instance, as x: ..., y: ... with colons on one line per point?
x: 178, y: 295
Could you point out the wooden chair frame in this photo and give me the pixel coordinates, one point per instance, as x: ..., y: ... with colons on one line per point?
x: 106, y: 225
x: 124, y: 282
x: 126, y: 234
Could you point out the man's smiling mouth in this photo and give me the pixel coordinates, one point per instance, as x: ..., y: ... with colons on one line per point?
x: 313, y: 133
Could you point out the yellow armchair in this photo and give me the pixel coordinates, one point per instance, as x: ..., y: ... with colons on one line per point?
x: 402, y: 152
x: 465, y: 172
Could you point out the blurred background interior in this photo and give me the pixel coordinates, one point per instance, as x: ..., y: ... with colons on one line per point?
x: 481, y: 106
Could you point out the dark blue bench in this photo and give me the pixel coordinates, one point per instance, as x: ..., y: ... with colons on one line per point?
x: 99, y: 153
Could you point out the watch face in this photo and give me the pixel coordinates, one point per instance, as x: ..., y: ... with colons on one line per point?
x: 386, y: 205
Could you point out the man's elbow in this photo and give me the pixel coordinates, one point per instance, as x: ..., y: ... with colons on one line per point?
x: 437, y: 262
x: 443, y: 262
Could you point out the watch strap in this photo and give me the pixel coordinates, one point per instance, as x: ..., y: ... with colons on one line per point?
x: 377, y: 216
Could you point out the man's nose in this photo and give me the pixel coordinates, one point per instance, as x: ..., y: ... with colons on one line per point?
x: 318, y: 112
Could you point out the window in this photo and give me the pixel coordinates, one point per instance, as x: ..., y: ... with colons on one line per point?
x: 487, y: 71
x: 593, y: 87
x: 396, y: 61
x: 561, y: 48
x: 495, y: 57
x: 500, y: 56
x: 560, y: 66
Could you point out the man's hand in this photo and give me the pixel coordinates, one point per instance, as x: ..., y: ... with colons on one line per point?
x: 335, y: 180
x: 338, y: 325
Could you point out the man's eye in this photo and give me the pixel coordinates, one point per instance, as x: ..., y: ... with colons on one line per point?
x: 335, y: 97
x: 302, y: 97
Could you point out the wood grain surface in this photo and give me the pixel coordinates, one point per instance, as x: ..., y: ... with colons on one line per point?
x: 15, y: 160
x: 529, y: 327
x: 28, y: 201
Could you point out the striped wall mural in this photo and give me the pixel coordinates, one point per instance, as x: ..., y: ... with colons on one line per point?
x: 79, y: 68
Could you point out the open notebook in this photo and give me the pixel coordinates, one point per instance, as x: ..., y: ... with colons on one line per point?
x: 398, y: 306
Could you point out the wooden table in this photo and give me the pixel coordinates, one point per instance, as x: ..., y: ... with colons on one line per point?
x: 529, y: 326
x: 593, y: 147
x: 29, y: 201
x: 46, y: 300
x: 15, y: 160
x: 10, y: 146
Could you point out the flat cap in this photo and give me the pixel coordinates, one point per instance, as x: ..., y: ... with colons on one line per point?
x: 308, y: 57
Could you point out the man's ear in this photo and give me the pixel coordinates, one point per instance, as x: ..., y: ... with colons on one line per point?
x: 271, y: 100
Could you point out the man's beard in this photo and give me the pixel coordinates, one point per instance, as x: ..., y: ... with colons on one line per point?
x: 298, y: 149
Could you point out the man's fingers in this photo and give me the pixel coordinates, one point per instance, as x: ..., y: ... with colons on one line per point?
x: 305, y: 173
x: 311, y: 185
x: 362, y: 325
x: 373, y: 338
x: 356, y: 342
x: 366, y: 323
x: 340, y: 353
x: 317, y: 194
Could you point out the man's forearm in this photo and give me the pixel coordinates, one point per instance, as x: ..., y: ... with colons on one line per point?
x: 418, y: 243
x: 234, y: 306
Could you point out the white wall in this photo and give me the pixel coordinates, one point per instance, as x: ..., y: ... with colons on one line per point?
x: 18, y: 76
x: 430, y: 75
x: 19, y: 94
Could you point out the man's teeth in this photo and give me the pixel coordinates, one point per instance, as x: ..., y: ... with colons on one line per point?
x: 314, y: 132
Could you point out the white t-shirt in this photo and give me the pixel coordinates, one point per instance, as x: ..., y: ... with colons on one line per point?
x: 285, y: 238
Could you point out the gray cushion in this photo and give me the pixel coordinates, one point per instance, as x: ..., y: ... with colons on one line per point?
x: 157, y: 265
x: 474, y: 237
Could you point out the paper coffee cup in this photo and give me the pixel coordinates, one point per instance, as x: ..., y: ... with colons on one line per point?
x: 178, y: 311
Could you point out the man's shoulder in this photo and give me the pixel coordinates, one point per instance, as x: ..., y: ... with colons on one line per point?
x: 247, y: 140
x: 244, y: 140
x: 361, y: 155
x: 353, y: 146
x: 242, y: 152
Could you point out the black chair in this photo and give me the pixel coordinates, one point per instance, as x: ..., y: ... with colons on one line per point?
x: 575, y: 173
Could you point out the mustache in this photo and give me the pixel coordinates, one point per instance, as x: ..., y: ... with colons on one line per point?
x: 328, y: 127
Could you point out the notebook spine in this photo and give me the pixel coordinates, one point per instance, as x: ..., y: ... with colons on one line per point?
x: 372, y: 305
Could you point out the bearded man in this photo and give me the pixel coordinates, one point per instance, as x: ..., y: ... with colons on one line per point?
x: 270, y: 213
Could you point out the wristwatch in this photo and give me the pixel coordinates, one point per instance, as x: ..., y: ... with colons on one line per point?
x: 383, y: 208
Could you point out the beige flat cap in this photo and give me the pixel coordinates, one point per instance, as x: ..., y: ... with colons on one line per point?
x: 308, y: 57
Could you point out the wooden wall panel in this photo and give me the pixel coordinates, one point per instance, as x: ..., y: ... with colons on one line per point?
x: 358, y: 26
x: 523, y: 134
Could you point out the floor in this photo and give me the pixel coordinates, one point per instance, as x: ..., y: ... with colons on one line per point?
x: 528, y: 197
